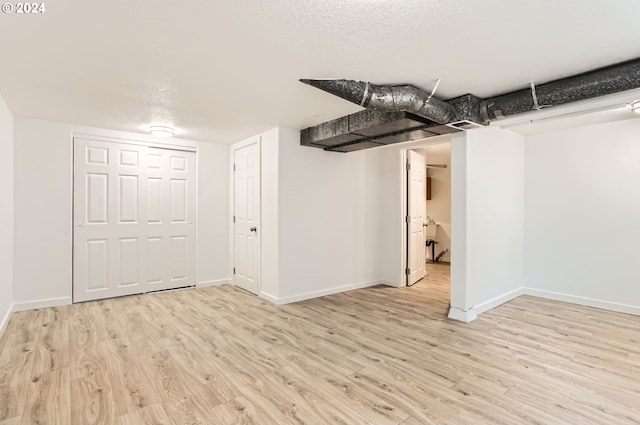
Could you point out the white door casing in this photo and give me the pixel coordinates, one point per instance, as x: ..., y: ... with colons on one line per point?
x: 416, y: 210
x: 118, y: 249
x: 246, y: 213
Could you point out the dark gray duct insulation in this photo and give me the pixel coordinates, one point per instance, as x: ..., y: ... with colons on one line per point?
x: 403, y: 113
x: 600, y: 82
x: 404, y: 98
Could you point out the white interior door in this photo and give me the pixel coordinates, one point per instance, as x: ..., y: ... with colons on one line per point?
x: 416, y: 210
x: 117, y: 250
x: 246, y: 194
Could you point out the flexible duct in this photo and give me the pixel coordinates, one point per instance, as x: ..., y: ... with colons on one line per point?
x: 405, y: 98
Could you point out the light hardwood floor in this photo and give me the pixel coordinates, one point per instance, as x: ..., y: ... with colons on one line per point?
x: 372, y: 356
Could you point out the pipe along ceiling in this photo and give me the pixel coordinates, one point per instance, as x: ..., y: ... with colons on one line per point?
x: 402, y: 113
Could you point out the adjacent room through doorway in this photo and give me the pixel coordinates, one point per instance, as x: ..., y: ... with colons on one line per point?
x: 428, y: 206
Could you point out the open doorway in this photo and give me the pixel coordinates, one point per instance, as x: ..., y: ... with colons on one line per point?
x: 428, y: 207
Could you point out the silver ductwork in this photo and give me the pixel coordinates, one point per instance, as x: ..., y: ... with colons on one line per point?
x: 600, y: 82
x: 397, y: 98
x: 400, y: 113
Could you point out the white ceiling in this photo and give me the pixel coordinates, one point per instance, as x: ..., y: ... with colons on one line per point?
x: 226, y: 69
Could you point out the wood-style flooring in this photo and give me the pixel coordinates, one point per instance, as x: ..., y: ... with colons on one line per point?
x: 381, y: 355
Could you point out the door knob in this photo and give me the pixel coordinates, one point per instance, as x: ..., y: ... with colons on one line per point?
x: 254, y: 229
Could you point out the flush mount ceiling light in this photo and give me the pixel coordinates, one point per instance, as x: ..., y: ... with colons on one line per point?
x: 161, y: 131
x: 635, y: 106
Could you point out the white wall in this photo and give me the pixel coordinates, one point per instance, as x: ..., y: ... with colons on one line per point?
x: 213, y: 214
x: 495, y: 217
x: 383, y: 214
x: 43, y: 210
x: 6, y: 213
x: 269, y: 201
x: 321, y: 220
x: 582, y: 228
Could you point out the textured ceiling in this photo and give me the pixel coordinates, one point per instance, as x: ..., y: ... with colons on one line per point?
x: 226, y: 69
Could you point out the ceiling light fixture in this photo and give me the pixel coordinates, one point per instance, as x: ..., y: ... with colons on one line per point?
x: 161, y: 131
x: 635, y: 106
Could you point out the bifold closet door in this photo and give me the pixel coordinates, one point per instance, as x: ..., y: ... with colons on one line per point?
x: 134, y: 213
x: 171, y: 213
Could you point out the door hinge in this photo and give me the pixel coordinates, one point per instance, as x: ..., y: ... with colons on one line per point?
x: 407, y: 219
x: 234, y: 218
x: 234, y: 167
x: 407, y: 271
x: 234, y: 270
x: 408, y: 166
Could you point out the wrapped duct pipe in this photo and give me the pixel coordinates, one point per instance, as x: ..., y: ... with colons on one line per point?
x: 600, y: 82
x: 405, y: 98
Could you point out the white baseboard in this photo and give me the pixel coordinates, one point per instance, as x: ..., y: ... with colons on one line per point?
x: 212, y: 283
x: 494, y: 302
x: 471, y: 314
x: 589, y: 302
x: 317, y: 294
x: 5, y: 319
x: 271, y: 298
x: 460, y: 315
x: 50, y: 302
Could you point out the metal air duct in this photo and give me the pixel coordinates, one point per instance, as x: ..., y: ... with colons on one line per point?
x: 400, y: 98
x: 401, y: 113
x: 600, y: 82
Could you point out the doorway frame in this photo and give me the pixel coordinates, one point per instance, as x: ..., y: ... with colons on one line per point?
x: 458, y: 297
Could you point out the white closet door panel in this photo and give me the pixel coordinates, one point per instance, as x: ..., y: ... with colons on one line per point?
x: 178, y: 198
x: 128, y: 199
x: 97, y: 190
x: 172, y: 202
x: 155, y: 251
x: 128, y: 261
x: 154, y: 200
x: 134, y: 219
x: 178, y: 257
x: 109, y: 219
x: 97, y: 264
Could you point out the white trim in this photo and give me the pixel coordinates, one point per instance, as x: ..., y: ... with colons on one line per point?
x: 207, y: 283
x: 129, y: 141
x: 495, y: 302
x: 317, y: 294
x: 5, y: 319
x: 271, y: 298
x: 465, y: 316
x: 390, y: 283
x: 404, y: 199
x: 49, y: 302
x: 589, y: 302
